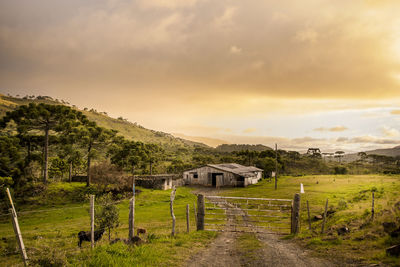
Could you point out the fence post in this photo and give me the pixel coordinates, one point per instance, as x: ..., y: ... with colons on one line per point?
x: 131, y: 218
x: 92, y: 220
x: 309, y: 217
x: 172, y: 209
x: 200, y: 212
x: 132, y: 214
x: 195, y: 213
x: 296, y: 214
x: 187, y: 218
x: 17, y: 230
x: 373, y: 206
x: 323, y: 222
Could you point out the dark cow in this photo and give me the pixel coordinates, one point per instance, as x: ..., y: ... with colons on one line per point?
x: 86, y: 236
x: 140, y: 231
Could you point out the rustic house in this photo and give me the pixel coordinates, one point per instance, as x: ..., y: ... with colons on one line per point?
x: 227, y: 174
x: 159, y: 181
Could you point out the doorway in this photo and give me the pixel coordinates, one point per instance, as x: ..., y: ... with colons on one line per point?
x: 214, y: 179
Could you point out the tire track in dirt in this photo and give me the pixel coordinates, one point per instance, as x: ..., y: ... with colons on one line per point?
x: 223, y: 251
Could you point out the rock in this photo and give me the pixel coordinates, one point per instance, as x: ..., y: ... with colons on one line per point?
x: 393, y: 250
x: 343, y: 230
x: 318, y: 217
x: 389, y: 227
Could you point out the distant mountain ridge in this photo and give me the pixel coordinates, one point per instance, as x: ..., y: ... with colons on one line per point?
x: 392, y: 152
x: 213, y: 142
x: 239, y: 147
x: 128, y: 129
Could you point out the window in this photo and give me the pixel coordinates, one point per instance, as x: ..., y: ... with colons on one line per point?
x: 195, y: 175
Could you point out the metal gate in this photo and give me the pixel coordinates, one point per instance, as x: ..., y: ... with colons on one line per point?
x: 241, y: 214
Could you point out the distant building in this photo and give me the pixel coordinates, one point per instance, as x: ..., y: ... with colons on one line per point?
x: 227, y: 174
x: 159, y: 181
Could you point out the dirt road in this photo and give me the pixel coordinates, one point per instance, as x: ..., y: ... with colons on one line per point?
x: 274, y: 251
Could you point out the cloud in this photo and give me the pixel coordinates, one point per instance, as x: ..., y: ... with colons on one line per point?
x: 170, y: 4
x: 390, y: 132
x: 342, y: 139
x: 235, y: 50
x: 225, y: 20
x: 250, y: 130
x: 307, y: 35
x: 332, y: 129
x: 395, y: 112
x: 373, y: 140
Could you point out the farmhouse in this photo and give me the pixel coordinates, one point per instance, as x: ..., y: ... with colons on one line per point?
x: 227, y: 174
x: 159, y: 181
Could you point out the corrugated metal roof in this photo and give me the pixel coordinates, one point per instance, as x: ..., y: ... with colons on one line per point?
x: 245, y: 171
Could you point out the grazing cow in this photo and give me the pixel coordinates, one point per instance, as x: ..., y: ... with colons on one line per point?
x: 140, y: 231
x: 86, y: 236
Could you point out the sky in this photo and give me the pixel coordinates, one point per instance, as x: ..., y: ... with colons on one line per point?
x: 311, y: 73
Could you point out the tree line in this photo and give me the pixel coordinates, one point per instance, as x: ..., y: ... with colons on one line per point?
x: 27, y: 133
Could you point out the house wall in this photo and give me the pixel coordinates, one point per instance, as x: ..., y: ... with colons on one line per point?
x: 254, y: 179
x: 205, y: 177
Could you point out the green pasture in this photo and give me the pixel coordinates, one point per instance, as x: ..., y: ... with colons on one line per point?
x: 52, y: 230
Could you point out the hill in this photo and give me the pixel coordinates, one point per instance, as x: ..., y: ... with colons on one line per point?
x: 392, y: 152
x: 128, y: 129
x: 213, y: 142
x: 239, y: 147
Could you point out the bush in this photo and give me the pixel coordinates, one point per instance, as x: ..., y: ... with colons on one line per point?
x: 340, y: 170
x: 109, y: 177
x: 107, y: 214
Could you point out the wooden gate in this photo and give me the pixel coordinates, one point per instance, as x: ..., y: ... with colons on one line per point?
x: 241, y: 214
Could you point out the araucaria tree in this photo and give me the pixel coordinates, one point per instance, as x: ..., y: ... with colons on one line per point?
x: 127, y: 154
x: 93, y: 138
x: 42, y: 119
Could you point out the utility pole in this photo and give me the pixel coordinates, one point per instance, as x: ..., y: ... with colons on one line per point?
x: 276, y: 166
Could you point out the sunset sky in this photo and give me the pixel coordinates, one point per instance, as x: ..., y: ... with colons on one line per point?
x: 310, y: 73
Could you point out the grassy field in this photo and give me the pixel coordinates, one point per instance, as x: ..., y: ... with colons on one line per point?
x: 350, y: 199
x: 50, y: 229
x: 51, y: 232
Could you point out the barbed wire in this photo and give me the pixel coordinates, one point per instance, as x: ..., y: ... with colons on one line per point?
x: 64, y: 208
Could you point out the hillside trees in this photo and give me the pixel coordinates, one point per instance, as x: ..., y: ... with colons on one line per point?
x: 93, y: 138
x: 42, y: 119
x: 153, y: 154
x: 127, y: 154
x: 10, y: 157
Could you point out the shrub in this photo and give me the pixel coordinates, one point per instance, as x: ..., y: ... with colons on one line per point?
x: 106, y: 214
x: 340, y: 170
x: 109, y: 177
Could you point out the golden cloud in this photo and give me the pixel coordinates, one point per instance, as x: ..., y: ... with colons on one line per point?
x: 332, y: 129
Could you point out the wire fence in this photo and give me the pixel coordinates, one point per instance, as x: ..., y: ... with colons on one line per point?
x: 58, y: 228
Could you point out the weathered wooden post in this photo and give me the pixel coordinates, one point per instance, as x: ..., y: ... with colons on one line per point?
x: 17, y: 230
x: 200, y: 212
x: 132, y: 214
x: 195, y: 213
x: 187, y: 218
x: 92, y: 220
x: 373, y: 206
x: 296, y: 214
x: 309, y: 217
x: 325, y: 212
x: 172, y: 210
